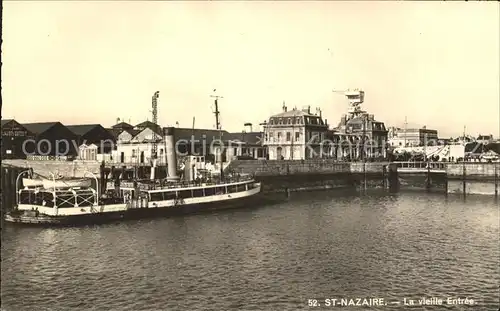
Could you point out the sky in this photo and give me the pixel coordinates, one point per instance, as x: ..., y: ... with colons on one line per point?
x: 436, y: 63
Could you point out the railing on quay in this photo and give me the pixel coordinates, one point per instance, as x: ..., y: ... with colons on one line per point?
x: 422, y: 165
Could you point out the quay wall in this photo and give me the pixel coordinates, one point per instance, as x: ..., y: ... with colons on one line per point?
x: 473, y: 170
x: 300, y: 175
x: 473, y: 178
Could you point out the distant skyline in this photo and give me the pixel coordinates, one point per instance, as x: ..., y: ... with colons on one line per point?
x: 91, y: 62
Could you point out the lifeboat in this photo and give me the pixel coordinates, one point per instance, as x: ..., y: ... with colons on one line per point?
x: 66, y: 183
x: 28, y: 182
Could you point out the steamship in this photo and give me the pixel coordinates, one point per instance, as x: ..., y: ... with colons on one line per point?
x: 59, y: 202
x: 68, y: 205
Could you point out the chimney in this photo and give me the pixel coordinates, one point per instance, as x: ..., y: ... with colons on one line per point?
x: 171, y: 154
x: 284, y: 107
x: 248, y: 126
x: 326, y: 122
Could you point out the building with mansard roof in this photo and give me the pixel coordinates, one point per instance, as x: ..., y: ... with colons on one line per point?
x: 359, y: 135
x: 295, y: 134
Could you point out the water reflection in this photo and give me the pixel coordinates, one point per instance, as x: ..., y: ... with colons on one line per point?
x: 316, y: 245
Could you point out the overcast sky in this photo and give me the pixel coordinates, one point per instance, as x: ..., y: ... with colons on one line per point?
x: 91, y: 62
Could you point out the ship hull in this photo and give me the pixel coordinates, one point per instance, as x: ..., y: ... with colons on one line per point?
x: 139, y: 213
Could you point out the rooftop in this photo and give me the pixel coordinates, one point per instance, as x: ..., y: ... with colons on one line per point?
x: 40, y: 127
x: 82, y: 129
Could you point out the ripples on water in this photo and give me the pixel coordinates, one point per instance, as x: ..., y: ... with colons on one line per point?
x: 318, y: 245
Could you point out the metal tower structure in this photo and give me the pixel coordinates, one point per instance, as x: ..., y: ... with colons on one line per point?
x: 355, y: 97
x: 154, y: 104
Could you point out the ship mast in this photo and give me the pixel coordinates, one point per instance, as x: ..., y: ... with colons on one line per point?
x: 218, y: 127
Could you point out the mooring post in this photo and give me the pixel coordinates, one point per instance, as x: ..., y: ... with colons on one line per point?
x: 446, y: 179
x: 464, y: 182
x: 496, y: 181
x: 384, y: 176
x: 364, y: 174
x: 428, y: 179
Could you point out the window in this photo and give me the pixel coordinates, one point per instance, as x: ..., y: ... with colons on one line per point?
x: 288, y: 136
x: 156, y: 196
x: 289, y: 120
x: 209, y: 191
x: 279, y: 136
x: 161, y: 151
x: 184, y: 194
x: 297, y: 136
x: 197, y: 193
x: 220, y: 190
x: 133, y: 153
x: 235, y: 151
x: 170, y: 195
x: 280, y: 121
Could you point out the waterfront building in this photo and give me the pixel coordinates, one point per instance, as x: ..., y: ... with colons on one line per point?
x: 14, y: 135
x: 413, y: 137
x: 359, y: 135
x: 135, y: 145
x: 251, y: 146
x: 295, y: 135
x: 484, y: 139
x: 88, y: 152
x: 52, y: 139
x: 95, y: 134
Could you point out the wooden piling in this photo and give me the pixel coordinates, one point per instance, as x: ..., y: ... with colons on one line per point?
x: 364, y: 175
x: 428, y: 182
x: 496, y: 181
x: 464, y: 181
x: 384, y: 177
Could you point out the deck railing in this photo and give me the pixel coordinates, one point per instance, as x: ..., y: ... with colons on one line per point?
x: 148, y: 186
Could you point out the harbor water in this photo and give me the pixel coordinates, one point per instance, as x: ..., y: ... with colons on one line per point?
x: 315, y: 246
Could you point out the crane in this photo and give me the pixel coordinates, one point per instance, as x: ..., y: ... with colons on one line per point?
x: 154, y: 104
x: 154, y: 149
x: 355, y: 97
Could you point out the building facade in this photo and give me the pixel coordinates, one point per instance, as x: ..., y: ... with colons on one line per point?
x: 14, y: 135
x: 94, y: 134
x: 51, y: 139
x: 413, y: 137
x: 359, y: 136
x: 135, y: 147
x: 295, y: 135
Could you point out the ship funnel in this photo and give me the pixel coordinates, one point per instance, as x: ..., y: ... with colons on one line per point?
x: 171, y: 154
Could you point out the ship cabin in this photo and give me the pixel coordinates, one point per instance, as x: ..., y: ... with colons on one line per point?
x: 57, y: 198
x: 183, y: 191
